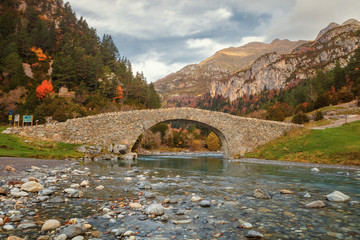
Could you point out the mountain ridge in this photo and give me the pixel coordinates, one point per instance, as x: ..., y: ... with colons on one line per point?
x: 212, y: 73
x: 194, y: 79
x: 276, y: 71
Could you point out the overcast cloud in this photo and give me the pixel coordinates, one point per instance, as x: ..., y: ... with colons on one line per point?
x: 162, y: 36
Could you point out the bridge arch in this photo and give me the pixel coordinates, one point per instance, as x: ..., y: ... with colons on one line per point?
x: 221, y: 136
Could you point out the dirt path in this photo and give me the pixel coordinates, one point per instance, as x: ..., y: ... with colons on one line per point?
x: 350, y: 118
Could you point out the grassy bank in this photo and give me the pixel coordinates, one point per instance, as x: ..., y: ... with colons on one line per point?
x: 339, y: 145
x: 14, y: 146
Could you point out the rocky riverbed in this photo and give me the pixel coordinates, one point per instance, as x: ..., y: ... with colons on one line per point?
x: 172, y: 197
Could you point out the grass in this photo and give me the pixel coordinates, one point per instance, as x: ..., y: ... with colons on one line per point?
x: 339, y: 145
x: 15, y: 146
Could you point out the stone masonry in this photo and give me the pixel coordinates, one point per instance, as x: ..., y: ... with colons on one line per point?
x: 237, y: 134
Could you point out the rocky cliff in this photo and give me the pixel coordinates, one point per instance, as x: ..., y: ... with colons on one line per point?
x: 195, y: 79
x: 276, y: 70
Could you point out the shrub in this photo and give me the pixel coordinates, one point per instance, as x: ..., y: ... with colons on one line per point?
x: 322, y: 101
x: 310, y: 107
x: 300, y: 108
x: 195, y: 144
x: 318, y: 116
x: 345, y: 95
x: 300, y: 118
x: 213, y: 143
x: 278, y: 111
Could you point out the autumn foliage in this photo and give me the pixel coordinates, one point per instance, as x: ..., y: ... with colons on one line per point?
x: 39, y: 53
x: 44, y: 89
x: 119, y: 93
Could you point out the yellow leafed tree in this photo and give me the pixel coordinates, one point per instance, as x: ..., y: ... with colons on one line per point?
x: 213, y: 142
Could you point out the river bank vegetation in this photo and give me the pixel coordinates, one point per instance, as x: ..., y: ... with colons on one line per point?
x: 340, y: 145
x: 15, y: 146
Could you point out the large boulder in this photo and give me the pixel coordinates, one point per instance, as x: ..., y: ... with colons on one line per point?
x: 32, y: 186
x: 155, y: 209
x: 337, y: 196
x: 120, y: 149
x: 261, y: 193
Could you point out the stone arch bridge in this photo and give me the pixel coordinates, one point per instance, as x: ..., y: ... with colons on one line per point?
x: 237, y: 134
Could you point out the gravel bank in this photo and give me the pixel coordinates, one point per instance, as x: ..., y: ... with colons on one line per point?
x: 21, y: 164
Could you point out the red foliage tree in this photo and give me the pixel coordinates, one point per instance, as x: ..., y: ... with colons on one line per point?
x: 119, y: 93
x: 44, y: 89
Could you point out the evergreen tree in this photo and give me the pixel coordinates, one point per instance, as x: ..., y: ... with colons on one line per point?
x: 339, y: 76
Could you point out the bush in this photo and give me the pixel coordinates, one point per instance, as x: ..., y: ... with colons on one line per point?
x: 310, y: 107
x: 300, y: 108
x: 279, y: 111
x: 322, y: 101
x: 344, y: 95
x: 300, y: 118
x: 318, y: 116
x: 213, y: 143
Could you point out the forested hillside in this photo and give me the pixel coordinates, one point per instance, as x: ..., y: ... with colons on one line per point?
x: 45, y: 48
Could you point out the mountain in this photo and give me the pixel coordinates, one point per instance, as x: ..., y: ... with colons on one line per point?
x: 195, y: 79
x: 277, y: 71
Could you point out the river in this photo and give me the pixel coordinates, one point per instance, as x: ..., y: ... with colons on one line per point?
x: 227, y: 188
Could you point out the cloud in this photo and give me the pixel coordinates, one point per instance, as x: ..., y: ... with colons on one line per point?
x: 306, y: 18
x: 160, y: 37
x: 154, y: 68
x: 205, y: 45
x: 152, y: 19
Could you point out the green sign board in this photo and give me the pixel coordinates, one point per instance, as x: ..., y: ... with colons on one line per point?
x: 28, y: 118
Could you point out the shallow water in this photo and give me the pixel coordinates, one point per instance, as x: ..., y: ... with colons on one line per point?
x: 229, y: 186
x: 226, y: 184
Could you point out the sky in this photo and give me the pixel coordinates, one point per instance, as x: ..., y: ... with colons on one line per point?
x: 162, y: 36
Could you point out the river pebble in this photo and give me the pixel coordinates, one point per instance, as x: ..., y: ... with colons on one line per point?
x: 50, y: 225
x: 254, y: 234
x: 315, y: 204
x: 261, y: 193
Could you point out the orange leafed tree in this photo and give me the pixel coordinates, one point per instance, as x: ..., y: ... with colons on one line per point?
x: 39, y: 53
x: 119, y: 93
x: 44, y: 89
